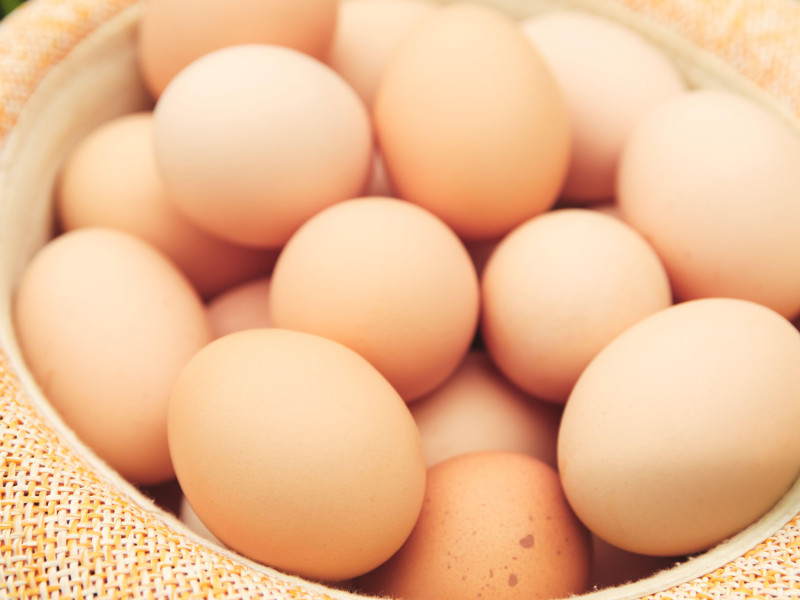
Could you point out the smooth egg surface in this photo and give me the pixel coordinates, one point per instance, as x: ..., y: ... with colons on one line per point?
x: 174, y: 33
x: 682, y: 430
x: 252, y: 140
x: 389, y: 280
x: 111, y: 179
x: 472, y: 123
x: 294, y: 451
x: 710, y: 179
x: 561, y: 286
x: 106, y: 322
x: 477, y: 408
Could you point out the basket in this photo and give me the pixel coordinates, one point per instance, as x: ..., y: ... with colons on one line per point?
x: 72, y: 528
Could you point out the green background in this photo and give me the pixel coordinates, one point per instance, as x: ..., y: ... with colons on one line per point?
x: 6, y: 6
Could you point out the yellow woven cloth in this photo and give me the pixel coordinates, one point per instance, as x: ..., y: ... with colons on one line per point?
x: 68, y: 531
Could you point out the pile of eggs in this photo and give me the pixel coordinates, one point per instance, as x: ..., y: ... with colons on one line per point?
x: 427, y: 301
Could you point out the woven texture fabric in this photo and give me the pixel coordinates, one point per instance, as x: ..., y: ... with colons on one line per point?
x: 759, y: 38
x: 68, y: 532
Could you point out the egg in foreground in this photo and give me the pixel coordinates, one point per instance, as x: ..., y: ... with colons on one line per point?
x: 294, y: 451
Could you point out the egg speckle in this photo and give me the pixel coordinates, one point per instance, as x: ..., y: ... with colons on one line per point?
x: 493, y: 524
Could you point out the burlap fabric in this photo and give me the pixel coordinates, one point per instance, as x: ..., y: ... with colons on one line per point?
x: 70, y: 528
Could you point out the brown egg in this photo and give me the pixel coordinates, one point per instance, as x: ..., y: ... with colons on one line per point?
x: 281, y: 137
x: 245, y: 306
x: 472, y: 123
x: 189, y: 518
x: 478, y: 409
x: 294, y: 451
x: 368, y: 34
x: 173, y: 33
x: 387, y: 279
x: 106, y: 323
x: 710, y: 178
x: 561, y: 286
x: 682, y: 431
x: 110, y: 179
x: 610, y: 76
x: 493, y: 525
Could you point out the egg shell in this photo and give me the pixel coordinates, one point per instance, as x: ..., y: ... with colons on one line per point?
x: 174, y: 33
x: 110, y: 179
x: 493, y: 525
x: 387, y: 279
x: 252, y: 140
x: 710, y: 178
x: 610, y: 76
x: 368, y: 33
x: 682, y: 431
x: 106, y: 323
x: 294, y: 451
x: 245, y: 306
x: 558, y: 288
x: 472, y: 123
x: 192, y: 521
x: 477, y: 408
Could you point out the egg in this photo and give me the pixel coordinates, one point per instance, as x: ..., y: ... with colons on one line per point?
x: 110, y: 179
x: 174, y: 33
x: 245, y: 306
x: 389, y: 280
x: 493, y: 525
x: 368, y: 33
x: 294, y: 451
x: 560, y: 287
x: 252, y: 140
x: 189, y: 518
x: 682, y: 431
x: 105, y: 323
x: 710, y: 178
x: 472, y: 123
x: 479, y: 409
x: 611, y: 76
